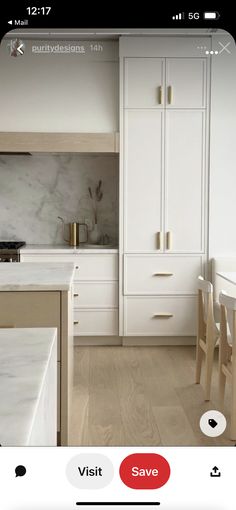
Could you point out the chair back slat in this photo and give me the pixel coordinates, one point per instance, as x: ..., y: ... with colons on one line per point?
x: 206, y: 289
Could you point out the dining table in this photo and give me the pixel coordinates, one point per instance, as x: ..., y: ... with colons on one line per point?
x: 226, y: 281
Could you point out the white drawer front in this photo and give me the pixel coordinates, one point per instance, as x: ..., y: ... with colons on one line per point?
x: 95, y: 295
x: 95, y: 322
x: 95, y: 266
x: 156, y: 274
x: 160, y: 316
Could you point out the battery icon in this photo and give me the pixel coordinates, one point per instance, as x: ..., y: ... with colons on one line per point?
x: 211, y: 15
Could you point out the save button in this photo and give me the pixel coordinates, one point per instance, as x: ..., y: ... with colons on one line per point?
x: 144, y: 471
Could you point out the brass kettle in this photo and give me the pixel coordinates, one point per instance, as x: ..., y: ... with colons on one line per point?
x: 74, y: 232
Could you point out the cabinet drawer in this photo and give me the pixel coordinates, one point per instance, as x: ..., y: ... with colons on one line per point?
x: 157, y: 274
x: 96, y: 267
x: 95, y: 322
x: 160, y: 316
x: 96, y: 295
x: 88, y: 266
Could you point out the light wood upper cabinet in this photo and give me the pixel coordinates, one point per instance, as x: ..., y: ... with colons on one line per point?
x: 143, y: 183
x: 184, y: 180
x: 144, y: 83
x: 185, y: 82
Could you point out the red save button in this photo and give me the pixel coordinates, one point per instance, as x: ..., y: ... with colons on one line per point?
x: 144, y: 471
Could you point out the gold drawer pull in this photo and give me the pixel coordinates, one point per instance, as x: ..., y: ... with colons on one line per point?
x: 169, y: 240
x: 163, y: 273
x: 162, y: 315
x: 76, y: 267
x: 160, y: 95
x: 76, y: 322
x: 76, y: 295
x: 159, y: 240
x: 170, y: 94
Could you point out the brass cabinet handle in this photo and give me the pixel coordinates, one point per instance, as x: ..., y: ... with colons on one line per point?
x: 159, y: 240
x: 76, y: 322
x: 170, y: 94
x: 160, y: 94
x: 162, y: 315
x: 76, y: 295
x: 76, y: 267
x: 169, y: 240
x: 163, y: 273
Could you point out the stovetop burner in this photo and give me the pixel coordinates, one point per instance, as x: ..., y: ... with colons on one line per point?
x: 11, y: 245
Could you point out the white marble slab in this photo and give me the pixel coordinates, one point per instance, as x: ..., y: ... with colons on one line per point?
x: 62, y: 248
x: 24, y: 358
x: 36, y: 276
x: 230, y: 276
x: 36, y: 189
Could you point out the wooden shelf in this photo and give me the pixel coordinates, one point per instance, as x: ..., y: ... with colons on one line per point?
x: 59, y: 142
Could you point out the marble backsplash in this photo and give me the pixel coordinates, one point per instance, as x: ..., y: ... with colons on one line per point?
x: 36, y: 189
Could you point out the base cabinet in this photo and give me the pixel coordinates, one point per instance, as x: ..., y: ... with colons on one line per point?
x: 160, y: 316
x: 95, y: 290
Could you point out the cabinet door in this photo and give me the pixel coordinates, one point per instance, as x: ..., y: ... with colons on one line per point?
x: 185, y: 83
x: 144, y: 80
x: 142, y: 179
x: 184, y: 180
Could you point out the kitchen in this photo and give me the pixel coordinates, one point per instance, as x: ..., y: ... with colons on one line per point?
x: 88, y: 166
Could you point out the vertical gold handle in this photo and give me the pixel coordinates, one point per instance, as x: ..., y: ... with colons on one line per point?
x: 170, y: 94
x: 160, y: 95
x: 159, y: 241
x: 169, y: 240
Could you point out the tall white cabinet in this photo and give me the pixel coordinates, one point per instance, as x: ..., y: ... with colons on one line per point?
x: 164, y: 139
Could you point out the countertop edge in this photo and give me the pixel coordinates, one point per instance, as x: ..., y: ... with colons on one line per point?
x: 64, y: 250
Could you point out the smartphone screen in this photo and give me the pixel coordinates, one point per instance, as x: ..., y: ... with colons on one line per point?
x: 117, y: 260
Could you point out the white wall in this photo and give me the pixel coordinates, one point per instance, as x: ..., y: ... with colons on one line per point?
x: 70, y: 92
x: 222, y: 222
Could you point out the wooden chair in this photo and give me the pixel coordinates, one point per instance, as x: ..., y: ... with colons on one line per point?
x: 208, y: 333
x: 227, y: 353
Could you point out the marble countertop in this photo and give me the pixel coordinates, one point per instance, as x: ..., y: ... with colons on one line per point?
x: 65, y: 248
x: 24, y: 354
x: 36, y: 276
x: 230, y: 276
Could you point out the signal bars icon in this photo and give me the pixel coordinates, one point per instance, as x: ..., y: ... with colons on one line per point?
x: 178, y: 16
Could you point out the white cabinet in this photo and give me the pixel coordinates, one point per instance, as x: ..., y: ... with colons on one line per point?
x: 144, y: 82
x: 164, y: 161
x: 160, y: 316
x: 185, y: 82
x: 161, y: 274
x: 96, y: 322
x: 165, y: 82
x: 185, y: 180
x: 142, y: 175
x: 95, y: 289
x: 164, y: 180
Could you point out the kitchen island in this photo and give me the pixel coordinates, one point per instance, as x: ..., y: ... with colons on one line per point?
x: 36, y: 295
x: 28, y: 390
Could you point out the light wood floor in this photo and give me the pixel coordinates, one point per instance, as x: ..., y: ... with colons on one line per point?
x: 140, y: 396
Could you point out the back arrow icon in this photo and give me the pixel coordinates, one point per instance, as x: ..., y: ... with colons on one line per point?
x: 20, y: 50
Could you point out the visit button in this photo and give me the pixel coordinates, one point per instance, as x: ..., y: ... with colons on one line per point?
x: 144, y: 471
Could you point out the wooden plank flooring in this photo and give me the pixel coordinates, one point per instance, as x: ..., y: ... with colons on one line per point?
x: 140, y: 396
